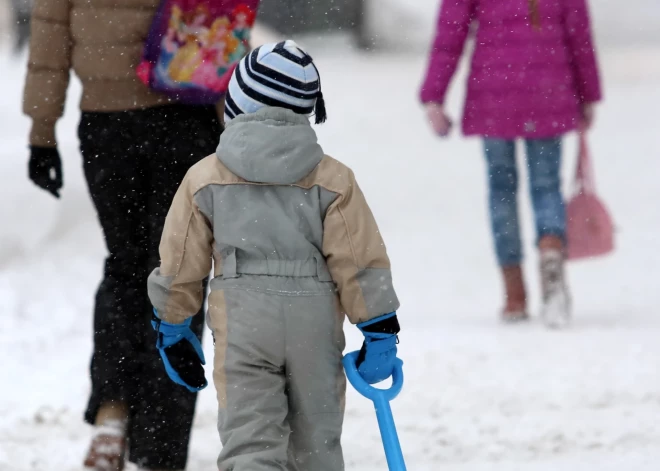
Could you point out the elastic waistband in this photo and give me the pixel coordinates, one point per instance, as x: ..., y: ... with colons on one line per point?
x: 276, y: 285
x: 310, y: 268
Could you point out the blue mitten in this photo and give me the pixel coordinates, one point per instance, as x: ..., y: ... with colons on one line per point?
x: 181, y: 352
x: 376, y: 359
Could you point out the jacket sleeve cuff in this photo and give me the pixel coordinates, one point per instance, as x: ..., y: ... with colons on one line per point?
x: 591, y: 97
x: 431, y: 94
x: 385, y: 324
x: 42, y: 133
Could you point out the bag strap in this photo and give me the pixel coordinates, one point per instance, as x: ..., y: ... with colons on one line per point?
x: 584, y: 175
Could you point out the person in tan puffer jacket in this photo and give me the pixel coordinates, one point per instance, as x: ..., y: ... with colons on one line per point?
x: 136, y: 147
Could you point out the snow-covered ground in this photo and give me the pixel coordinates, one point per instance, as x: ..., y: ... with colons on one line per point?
x: 479, y: 395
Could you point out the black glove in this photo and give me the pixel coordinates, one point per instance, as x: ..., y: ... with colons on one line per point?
x: 45, y: 169
x: 377, y: 357
x: 185, y: 361
x: 181, y: 353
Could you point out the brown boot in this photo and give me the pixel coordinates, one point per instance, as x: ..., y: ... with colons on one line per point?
x: 515, y: 308
x: 556, y: 310
x: 108, y: 448
x: 551, y: 242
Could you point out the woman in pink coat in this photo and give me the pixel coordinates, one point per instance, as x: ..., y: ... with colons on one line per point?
x: 533, y: 76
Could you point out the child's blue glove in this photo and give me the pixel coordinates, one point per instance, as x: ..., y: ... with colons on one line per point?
x: 181, y: 352
x: 376, y: 359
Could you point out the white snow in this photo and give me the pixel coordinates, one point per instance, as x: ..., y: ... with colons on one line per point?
x: 410, y: 24
x: 479, y: 395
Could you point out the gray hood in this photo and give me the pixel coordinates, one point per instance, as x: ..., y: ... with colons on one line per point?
x: 273, y: 145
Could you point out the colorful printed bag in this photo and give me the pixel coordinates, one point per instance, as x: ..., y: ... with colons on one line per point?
x: 193, y: 47
x: 589, y: 230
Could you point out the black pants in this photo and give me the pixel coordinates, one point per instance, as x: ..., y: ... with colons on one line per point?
x: 134, y: 162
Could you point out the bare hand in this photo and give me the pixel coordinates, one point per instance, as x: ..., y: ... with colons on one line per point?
x: 439, y: 121
x: 588, y: 115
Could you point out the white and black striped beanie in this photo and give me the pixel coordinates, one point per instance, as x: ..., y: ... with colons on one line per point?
x: 278, y: 74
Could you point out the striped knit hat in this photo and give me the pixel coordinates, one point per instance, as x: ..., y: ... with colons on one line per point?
x: 281, y: 75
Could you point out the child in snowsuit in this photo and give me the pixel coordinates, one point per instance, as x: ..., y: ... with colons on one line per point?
x: 294, y: 245
x: 533, y: 76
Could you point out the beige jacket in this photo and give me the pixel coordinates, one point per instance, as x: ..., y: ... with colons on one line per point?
x: 102, y: 40
x: 271, y: 204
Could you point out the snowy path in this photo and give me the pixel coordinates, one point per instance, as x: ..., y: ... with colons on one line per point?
x: 479, y: 395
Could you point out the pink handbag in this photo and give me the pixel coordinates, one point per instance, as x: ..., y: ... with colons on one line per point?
x: 589, y: 229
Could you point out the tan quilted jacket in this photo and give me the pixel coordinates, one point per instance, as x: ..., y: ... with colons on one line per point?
x: 102, y: 41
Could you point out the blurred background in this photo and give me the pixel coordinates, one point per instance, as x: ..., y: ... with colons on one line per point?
x: 478, y: 396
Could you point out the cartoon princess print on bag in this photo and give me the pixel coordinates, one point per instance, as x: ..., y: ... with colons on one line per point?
x: 214, y: 55
x: 193, y: 45
x: 169, y: 46
x: 243, y: 19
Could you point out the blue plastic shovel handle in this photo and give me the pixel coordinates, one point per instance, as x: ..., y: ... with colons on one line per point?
x: 381, y: 399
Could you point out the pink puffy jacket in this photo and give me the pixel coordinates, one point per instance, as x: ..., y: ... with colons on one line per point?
x: 532, y: 67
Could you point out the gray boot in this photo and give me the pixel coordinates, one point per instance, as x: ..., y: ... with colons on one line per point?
x: 556, y: 310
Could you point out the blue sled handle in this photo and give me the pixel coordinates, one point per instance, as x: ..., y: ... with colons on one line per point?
x: 381, y: 399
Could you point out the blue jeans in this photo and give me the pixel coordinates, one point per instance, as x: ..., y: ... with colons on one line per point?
x: 543, y: 164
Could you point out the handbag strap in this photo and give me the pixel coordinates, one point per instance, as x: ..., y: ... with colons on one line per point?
x: 584, y: 175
